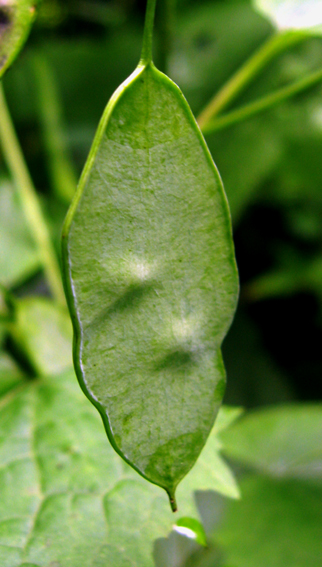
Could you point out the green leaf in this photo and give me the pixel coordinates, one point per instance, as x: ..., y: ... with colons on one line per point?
x: 226, y: 417
x: 18, y: 258
x: 151, y: 279
x: 43, y: 332
x: 10, y: 373
x: 17, y: 17
x: 243, y: 163
x: 65, y: 496
x: 283, y: 441
x: 61, y: 484
x: 275, y: 524
x: 302, y: 15
x: 210, y: 471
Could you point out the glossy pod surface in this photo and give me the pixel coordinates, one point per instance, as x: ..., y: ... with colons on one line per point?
x: 151, y: 279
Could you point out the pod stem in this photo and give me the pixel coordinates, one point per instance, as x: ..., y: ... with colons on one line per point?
x: 275, y: 45
x: 264, y: 103
x: 146, y: 54
x: 63, y: 176
x: 173, y: 502
x: 17, y: 166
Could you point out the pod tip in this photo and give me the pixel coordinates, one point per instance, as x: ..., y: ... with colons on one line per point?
x: 173, y: 502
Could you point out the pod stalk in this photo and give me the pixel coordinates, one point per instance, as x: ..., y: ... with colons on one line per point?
x: 146, y: 54
x: 173, y: 502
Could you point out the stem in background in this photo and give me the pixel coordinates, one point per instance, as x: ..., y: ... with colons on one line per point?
x: 62, y: 172
x: 270, y: 49
x: 37, y: 224
x: 166, y: 32
x: 262, y: 104
x: 146, y: 54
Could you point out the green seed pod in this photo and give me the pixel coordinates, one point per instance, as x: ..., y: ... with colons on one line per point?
x: 150, y: 278
x: 16, y: 18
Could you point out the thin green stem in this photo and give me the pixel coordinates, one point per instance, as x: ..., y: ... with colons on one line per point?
x: 61, y: 168
x: 270, y: 49
x: 17, y: 166
x: 173, y: 502
x: 146, y: 54
x: 263, y: 104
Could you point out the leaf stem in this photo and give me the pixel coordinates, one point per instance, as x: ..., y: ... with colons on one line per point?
x: 263, y: 104
x: 62, y: 172
x: 275, y: 45
x: 37, y: 224
x: 146, y: 54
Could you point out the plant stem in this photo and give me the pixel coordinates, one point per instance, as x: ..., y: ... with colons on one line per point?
x: 29, y: 200
x: 146, y: 54
x: 173, y: 502
x: 262, y: 104
x: 270, y: 49
x: 62, y: 173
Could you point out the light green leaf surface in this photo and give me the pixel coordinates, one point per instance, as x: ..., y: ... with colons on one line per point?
x: 275, y: 524
x: 66, y: 497
x: 283, y: 441
x: 16, y: 19
x: 151, y: 278
x: 43, y: 332
x: 304, y: 15
x: 211, y: 471
x: 10, y: 374
x: 64, y: 492
x: 18, y: 258
x: 226, y: 417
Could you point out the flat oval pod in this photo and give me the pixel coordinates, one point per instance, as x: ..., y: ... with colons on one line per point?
x: 16, y: 18
x: 151, y: 279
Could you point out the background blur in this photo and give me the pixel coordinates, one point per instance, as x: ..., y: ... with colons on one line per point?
x: 79, y: 51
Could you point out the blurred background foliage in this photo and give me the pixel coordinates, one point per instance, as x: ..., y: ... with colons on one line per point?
x: 78, y: 52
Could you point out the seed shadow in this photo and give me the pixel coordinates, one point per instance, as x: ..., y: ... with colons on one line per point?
x: 176, y: 360
x: 129, y: 300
